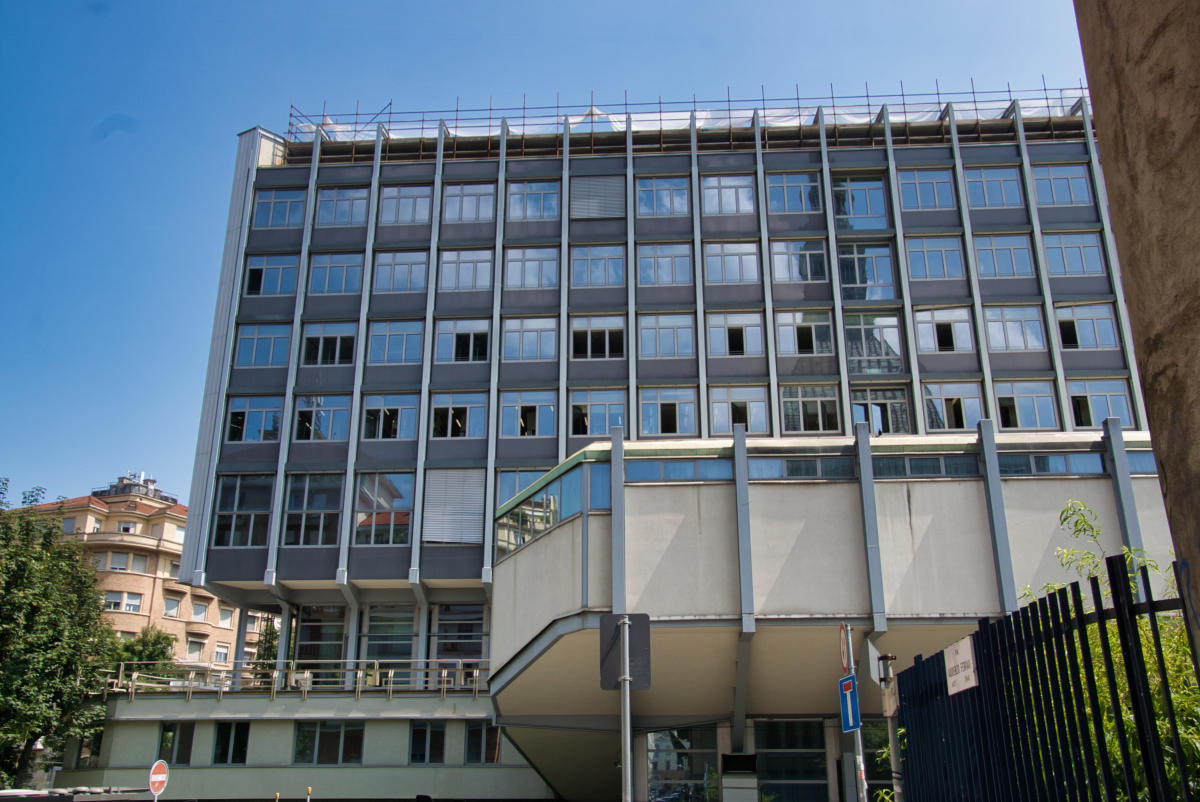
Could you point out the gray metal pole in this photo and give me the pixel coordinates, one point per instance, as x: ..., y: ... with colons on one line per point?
x: 894, y: 750
x: 860, y: 767
x: 626, y: 728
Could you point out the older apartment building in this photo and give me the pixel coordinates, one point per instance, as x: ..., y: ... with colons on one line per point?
x: 754, y: 371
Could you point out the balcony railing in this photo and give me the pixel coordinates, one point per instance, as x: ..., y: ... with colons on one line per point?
x: 371, y: 677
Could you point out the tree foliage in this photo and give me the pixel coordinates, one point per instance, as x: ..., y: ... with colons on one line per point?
x: 151, y: 645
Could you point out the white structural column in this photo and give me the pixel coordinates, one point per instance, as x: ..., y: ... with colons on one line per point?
x: 835, y: 278
x: 564, y: 283
x: 698, y: 277
x: 489, y: 492
x: 631, y: 336
x: 768, y: 294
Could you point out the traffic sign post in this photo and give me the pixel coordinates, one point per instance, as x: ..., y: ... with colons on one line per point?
x: 851, y: 721
x: 625, y: 665
x: 158, y: 778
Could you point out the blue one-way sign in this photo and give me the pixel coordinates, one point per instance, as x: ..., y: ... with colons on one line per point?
x: 848, y: 690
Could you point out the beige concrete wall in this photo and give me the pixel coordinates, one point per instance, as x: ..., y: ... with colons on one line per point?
x: 681, y: 550
x: 936, y: 548
x: 600, y: 561
x: 271, y: 743
x: 243, y: 706
x: 808, y: 551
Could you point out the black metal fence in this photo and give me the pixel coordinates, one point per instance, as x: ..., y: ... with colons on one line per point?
x: 1061, y: 712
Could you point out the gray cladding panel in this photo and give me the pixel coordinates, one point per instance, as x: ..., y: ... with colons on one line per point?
x: 338, y: 238
x: 385, y: 453
x: 598, y: 231
x: 662, y: 164
x: 591, y: 165
x: 574, y: 444
x: 807, y: 222
x: 397, y: 304
x: 407, y: 172
x: 467, y: 302
x: 1078, y: 359
x: 451, y: 233
x: 724, y: 162
x: 458, y: 448
x: 307, y: 562
x: 1080, y: 285
x: 296, y: 177
x: 800, y: 366
x: 919, y: 157
x: 797, y: 291
x: 595, y: 370
x: 321, y: 456
x: 985, y: 220
x: 847, y: 157
x: 939, y: 288
x: 530, y: 300
x: 736, y: 367
x: 274, y: 240
x: 543, y: 449
x: 729, y: 225
x: 1066, y: 217
x: 1010, y: 288
x: 249, y: 453
x: 651, y: 369
x: 600, y: 298
x: 451, y: 561
x: 547, y: 231
x: 677, y: 227
x: 470, y: 169
x: 673, y: 294
x: 258, y: 380
x: 949, y: 363
x: 343, y: 174
x: 379, y: 562
x: 520, y: 168
x: 460, y: 375
x: 990, y: 154
x: 381, y: 378
x: 325, y: 379
x: 1003, y: 361
x: 332, y: 307
x: 236, y: 565
x: 934, y: 218
x: 792, y: 159
x: 1049, y: 152
x: 410, y: 236
x: 727, y: 296
x: 266, y: 307
x: 529, y: 374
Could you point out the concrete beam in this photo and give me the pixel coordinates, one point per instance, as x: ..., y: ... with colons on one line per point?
x: 1006, y: 586
x: 870, y: 515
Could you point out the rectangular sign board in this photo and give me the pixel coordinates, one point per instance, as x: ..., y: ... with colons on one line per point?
x: 639, y: 651
x: 848, y: 691
x: 960, y: 666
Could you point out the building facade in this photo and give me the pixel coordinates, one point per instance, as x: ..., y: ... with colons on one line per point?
x: 755, y: 373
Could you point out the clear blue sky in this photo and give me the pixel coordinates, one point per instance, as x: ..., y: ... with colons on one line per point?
x: 118, y: 154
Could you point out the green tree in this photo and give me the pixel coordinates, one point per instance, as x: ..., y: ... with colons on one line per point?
x: 268, y: 641
x: 54, y: 643
x: 151, y: 645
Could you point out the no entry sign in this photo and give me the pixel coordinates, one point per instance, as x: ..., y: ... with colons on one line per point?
x: 158, y: 778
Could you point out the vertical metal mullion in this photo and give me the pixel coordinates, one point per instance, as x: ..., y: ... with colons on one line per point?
x: 564, y: 282
x: 985, y: 361
x: 767, y: 278
x: 835, y: 278
x: 698, y: 277
x: 498, y: 260
x: 424, y: 410
x: 902, y: 268
x: 1114, y: 265
x: 275, y: 523
x: 631, y: 336
x: 1039, y: 260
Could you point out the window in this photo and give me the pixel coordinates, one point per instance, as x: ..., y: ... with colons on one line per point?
x: 1021, y: 464
x: 810, y: 408
x: 89, y: 751
x: 225, y: 616
x: 127, y: 527
x: 510, y: 483
x: 1003, y: 257
x: 533, y: 200
x: 799, y: 261
x: 221, y: 653
x: 666, y: 336
x: 793, y: 192
x: 254, y: 419
x: 663, y: 197
x: 335, y: 274
x: 119, y: 602
x: 137, y: 563
x: 395, y: 342
x: 598, y: 266
x: 668, y: 410
x: 271, y: 275
x: 597, y: 197
x: 1142, y: 462
x: 469, y: 203
x: 195, y: 650
x: 829, y: 468
x: 527, y: 414
x: 1026, y: 405
x: 1074, y: 254
x: 682, y: 764
x: 118, y: 561
x: 728, y: 194
x: 596, y: 411
x: 1091, y: 326
x: 462, y: 340
x: 802, y: 333
x: 243, y: 510
x: 405, y: 205
x: 859, y: 203
x: 730, y: 262
x: 263, y: 346
x: 949, y: 465
x: 200, y: 611
x: 1094, y: 400
x: 389, y: 635
x: 313, y: 502
x: 173, y: 570
x: 704, y: 470
x: 175, y: 743
x: 279, y: 208
x: 993, y: 187
x: 791, y: 759
x: 531, y: 268
x: 736, y: 334
x: 934, y: 257
x: 97, y: 525
x: 734, y: 405
x: 171, y: 607
x: 322, y: 417
x: 527, y: 339
x: 328, y: 742
x: 252, y: 623
x: 329, y: 343
x: 873, y: 344
x: 866, y: 272
x: 953, y: 406
x: 886, y: 410
x: 483, y: 743
x: 598, y: 338
x: 342, y: 207
x: 1062, y: 185
x: 400, y: 271
x: 1015, y: 328
x: 229, y: 745
x: 944, y: 330
x: 664, y: 265
x: 427, y: 742
x: 459, y: 415
x: 68, y: 526
x: 926, y: 189
x: 113, y: 599
x: 389, y: 417
x: 383, y: 508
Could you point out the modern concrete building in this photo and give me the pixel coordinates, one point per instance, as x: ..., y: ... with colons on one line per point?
x: 753, y: 371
